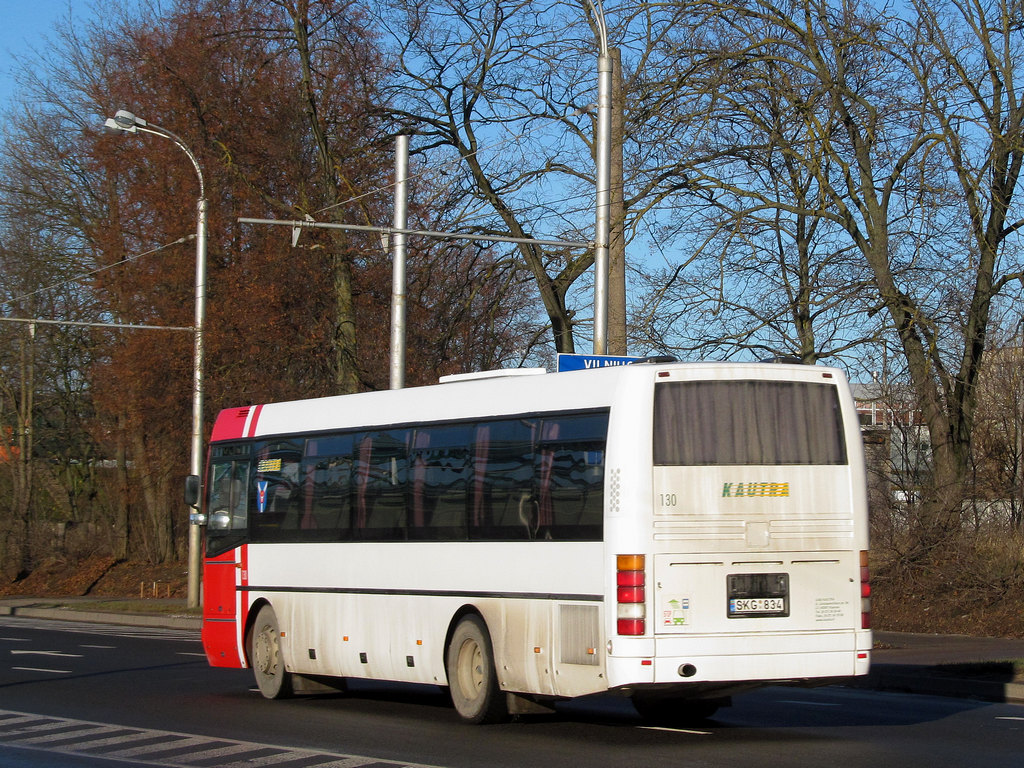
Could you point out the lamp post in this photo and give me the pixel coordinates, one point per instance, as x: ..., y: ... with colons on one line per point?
x: 126, y: 122
x: 602, y: 153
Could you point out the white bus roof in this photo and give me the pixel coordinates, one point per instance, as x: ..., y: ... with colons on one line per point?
x: 482, y: 396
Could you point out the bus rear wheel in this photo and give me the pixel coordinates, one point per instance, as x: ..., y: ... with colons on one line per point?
x: 273, y: 680
x: 472, y: 678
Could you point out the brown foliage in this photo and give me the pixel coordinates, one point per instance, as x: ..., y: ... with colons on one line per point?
x: 275, y: 139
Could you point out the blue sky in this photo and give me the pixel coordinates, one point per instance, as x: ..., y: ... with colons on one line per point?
x: 24, y: 26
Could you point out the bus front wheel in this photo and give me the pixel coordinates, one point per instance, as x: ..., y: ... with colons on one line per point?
x: 472, y: 678
x: 273, y: 680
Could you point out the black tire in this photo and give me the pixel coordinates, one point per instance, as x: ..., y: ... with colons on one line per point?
x: 472, y: 679
x: 273, y: 680
x: 669, y: 711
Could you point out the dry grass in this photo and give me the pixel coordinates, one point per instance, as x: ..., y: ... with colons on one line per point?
x: 971, y: 586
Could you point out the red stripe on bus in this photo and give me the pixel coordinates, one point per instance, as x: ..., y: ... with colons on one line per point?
x: 252, y: 422
x: 230, y: 424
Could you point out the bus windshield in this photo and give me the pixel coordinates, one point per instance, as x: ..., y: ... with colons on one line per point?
x: 736, y: 422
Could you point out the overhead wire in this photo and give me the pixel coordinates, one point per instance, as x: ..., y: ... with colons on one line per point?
x: 94, y: 272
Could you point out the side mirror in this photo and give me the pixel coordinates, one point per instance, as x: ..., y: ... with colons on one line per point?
x: 192, y: 488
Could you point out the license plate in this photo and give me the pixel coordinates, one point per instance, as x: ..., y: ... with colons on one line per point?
x: 757, y: 605
x: 754, y: 595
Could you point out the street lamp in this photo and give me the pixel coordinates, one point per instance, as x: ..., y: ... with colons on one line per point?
x: 126, y: 122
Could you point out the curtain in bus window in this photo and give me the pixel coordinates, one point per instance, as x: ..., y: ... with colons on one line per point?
x: 503, y: 504
x: 545, y: 460
x: 275, y: 490
x: 327, y: 470
x: 361, y: 481
x: 439, y: 471
x: 418, y: 458
x: 478, y: 496
x: 747, y: 422
x: 570, y: 476
x: 380, y: 485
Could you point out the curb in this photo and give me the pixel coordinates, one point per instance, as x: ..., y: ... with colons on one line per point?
x: 99, y: 617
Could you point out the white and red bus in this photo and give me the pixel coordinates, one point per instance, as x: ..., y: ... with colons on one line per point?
x: 676, y: 533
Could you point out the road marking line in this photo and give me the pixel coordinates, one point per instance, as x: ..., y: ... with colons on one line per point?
x: 282, y: 757
x: 805, y: 703
x: 47, y: 653
x: 33, y: 727
x: 674, y: 730
x: 104, y: 740
x: 171, y: 745
x: 1007, y: 717
x: 67, y: 735
x: 235, y: 751
x: 40, y: 669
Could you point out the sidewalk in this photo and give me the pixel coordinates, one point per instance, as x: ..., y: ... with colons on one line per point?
x: 113, y: 611
x: 942, y: 665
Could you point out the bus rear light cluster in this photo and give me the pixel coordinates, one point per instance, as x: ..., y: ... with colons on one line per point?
x: 630, y: 594
x: 865, y: 591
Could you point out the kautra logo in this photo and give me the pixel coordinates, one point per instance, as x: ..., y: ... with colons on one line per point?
x: 747, y: 490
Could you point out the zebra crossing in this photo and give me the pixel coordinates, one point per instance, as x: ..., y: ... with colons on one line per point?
x: 166, y: 749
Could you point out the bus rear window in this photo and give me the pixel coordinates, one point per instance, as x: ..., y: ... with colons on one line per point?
x: 704, y: 423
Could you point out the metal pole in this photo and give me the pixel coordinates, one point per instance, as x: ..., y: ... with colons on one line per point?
x: 602, y: 153
x: 195, y: 563
x: 398, y: 241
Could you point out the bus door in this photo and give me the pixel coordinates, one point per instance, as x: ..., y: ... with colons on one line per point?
x: 227, y: 506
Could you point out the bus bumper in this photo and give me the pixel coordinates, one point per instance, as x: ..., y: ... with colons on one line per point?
x: 731, y: 660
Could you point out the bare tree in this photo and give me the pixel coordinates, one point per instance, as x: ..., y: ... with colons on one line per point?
x: 501, y: 95
x: 43, y: 406
x: 470, y: 79
x: 895, y: 162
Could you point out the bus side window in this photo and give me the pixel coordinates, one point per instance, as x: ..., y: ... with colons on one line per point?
x: 327, y: 501
x: 276, y: 490
x: 570, y: 476
x: 502, y: 503
x: 439, y: 473
x: 379, y: 484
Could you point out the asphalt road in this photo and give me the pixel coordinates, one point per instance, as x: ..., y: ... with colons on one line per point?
x: 94, y: 695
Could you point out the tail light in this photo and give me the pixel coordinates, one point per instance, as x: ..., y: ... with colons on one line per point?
x: 865, y: 592
x: 630, y: 594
